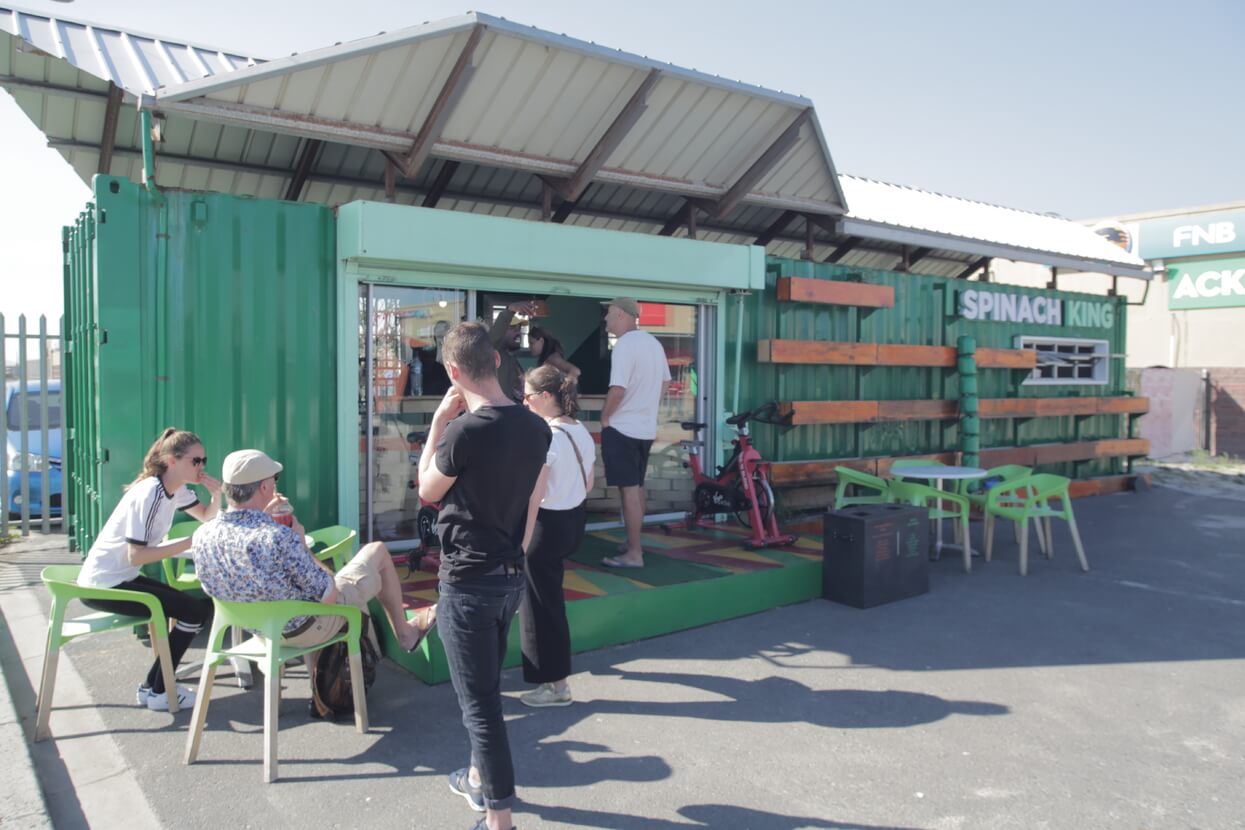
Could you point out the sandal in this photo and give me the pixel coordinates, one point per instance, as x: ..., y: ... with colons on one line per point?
x: 425, y: 618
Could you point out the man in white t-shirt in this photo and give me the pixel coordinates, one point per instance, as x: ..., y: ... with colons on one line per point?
x: 639, y: 376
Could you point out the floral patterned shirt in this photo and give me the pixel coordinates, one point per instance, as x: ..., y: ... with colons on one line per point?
x: 244, y: 556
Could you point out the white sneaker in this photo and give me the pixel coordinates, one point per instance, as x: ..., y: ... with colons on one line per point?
x: 160, y: 702
x: 546, y: 695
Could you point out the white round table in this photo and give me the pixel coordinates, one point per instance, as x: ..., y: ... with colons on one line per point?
x: 937, y: 473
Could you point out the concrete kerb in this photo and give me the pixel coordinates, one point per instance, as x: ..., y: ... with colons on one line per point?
x: 79, y: 770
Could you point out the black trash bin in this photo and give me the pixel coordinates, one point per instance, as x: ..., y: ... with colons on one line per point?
x: 874, y: 554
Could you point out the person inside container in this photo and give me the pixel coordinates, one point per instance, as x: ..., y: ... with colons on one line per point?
x: 506, y: 335
x: 547, y: 350
x: 132, y: 538
x: 554, y: 532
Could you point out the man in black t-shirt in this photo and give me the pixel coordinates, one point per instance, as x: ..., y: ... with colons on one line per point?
x: 483, y: 473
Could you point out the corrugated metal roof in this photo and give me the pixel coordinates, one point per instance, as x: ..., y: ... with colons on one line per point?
x: 532, y: 109
x: 906, y: 215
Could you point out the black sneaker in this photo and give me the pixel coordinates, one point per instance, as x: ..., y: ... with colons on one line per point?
x: 460, y: 783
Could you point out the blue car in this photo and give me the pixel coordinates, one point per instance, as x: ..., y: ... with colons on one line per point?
x: 44, y: 463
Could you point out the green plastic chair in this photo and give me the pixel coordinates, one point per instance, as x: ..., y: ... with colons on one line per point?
x: 266, y: 621
x: 936, y: 501
x: 849, y: 477
x: 339, y: 544
x: 1031, y: 498
x: 179, y: 572
x: 972, y: 489
x: 62, y: 584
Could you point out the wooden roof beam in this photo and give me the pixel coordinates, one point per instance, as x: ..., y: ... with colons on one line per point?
x: 302, y: 168
x: 572, y: 188
x: 757, y: 170
x: 108, y: 135
x: 778, y: 226
x: 434, y: 194
x: 443, y: 106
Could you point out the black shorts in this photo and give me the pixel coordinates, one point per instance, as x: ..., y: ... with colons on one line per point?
x: 626, y: 459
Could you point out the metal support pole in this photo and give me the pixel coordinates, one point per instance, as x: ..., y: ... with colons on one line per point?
x: 46, y: 494
x: 970, y: 423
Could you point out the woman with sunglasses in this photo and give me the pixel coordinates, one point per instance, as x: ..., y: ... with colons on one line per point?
x: 132, y: 537
x: 553, y: 533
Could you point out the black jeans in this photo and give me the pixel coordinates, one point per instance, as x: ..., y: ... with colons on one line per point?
x: 545, y: 633
x: 190, y: 613
x: 473, y: 618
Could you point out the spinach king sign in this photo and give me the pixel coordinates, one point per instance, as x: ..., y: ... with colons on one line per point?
x: 1040, y: 310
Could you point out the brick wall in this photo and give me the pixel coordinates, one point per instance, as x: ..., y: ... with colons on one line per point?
x: 1227, y: 412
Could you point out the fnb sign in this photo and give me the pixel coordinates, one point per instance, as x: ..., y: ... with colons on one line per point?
x: 1006, y: 307
x: 1216, y: 233
x: 1213, y: 283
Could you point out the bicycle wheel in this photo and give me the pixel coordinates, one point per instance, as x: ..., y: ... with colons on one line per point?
x: 765, y: 501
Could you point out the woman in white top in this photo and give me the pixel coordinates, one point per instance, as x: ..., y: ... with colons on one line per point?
x: 133, y: 536
x: 553, y: 533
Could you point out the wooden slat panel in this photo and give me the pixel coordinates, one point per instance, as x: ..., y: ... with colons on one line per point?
x: 830, y: 412
x: 1055, y: 453
x: 884, y: 464
x: 1049, y: 407
x: 792, y: 473
x: 892, y: 354
x: 835, y: 292
x: 1123, y: 406
x: 1121, y: 446
x: 817, y: 352
x: 1006, y: 358
x: 998, y: 456
x: 917, y: 410
x: 1007, y: 407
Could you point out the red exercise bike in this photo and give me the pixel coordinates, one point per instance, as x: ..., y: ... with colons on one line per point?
x: 742, y: 484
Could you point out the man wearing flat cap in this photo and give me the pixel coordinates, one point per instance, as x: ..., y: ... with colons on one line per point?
x: 639, y: 377
x: 244, y: 555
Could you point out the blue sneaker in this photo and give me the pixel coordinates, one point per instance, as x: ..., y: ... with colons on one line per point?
x: 460, y: 783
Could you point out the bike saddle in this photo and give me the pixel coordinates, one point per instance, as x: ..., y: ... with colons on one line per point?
x: 416, y: 437
x: 692, y: 426
x: 741, y: 418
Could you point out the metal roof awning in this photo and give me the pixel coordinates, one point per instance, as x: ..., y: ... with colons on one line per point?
x: 481, y: 114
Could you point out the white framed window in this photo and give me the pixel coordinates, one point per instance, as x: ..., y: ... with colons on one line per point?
x: 1071, y: 361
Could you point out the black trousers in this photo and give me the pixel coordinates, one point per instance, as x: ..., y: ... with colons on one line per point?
x: 190, y: 613
x: 544, y: 632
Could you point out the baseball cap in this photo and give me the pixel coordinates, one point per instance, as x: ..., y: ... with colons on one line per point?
x: 248, y: 467
x: 625, y: 304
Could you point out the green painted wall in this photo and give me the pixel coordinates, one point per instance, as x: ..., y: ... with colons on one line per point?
x: 924, y: 314
x: 207, y: 312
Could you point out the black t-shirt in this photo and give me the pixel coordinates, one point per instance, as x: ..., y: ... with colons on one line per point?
x: 496, y: 454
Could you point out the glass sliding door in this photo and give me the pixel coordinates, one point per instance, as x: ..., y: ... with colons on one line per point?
x: 401, y: 381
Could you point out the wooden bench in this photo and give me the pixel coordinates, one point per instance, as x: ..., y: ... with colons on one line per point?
x: 864, y: 412
x: 840, y: 353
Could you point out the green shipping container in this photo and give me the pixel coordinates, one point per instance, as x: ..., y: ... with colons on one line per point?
x: 207, y: 312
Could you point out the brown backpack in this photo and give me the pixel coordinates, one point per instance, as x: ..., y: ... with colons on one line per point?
x: 332, y: 692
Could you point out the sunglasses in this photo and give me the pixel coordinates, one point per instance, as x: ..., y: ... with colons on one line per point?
x: 276, y: 477
x: 531, y: 395
x: 198, y: 461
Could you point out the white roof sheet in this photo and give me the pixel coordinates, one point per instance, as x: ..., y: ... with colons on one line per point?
x: 893, y: 212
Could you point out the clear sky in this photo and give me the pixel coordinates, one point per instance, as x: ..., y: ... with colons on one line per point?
x: 1084, y: 108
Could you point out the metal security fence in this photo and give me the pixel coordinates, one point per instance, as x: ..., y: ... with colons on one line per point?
x: 30, y: 427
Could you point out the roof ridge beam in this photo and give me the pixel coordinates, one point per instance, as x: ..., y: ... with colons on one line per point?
x: 608, y: 142
x: 443, y: 106
x: 302, y: 169
x: 108, y: 134
x: 772, y: 155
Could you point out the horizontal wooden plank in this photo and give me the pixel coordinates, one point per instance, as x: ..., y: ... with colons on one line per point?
x: 894, y: 354
x: 1053, y: 407
x: 835, y: 292
x: 817, y: 352
x: 840, y: 353
x: 1006, y: 358
x: 1123, y: 406
x: 1007, y: 407
x: 829, y: 412
x: 820, y: 471
x: 917, y: 410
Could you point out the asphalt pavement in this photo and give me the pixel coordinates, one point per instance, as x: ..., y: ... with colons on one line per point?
x: 1108, y: 699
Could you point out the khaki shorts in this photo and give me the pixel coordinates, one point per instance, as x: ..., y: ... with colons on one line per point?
x: 357, y: 584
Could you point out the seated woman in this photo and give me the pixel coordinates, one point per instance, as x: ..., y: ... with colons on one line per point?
x: 547, y: 350
x: 132, y: 538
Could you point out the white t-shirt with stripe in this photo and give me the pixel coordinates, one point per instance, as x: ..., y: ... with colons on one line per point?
x: 143, y: 517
